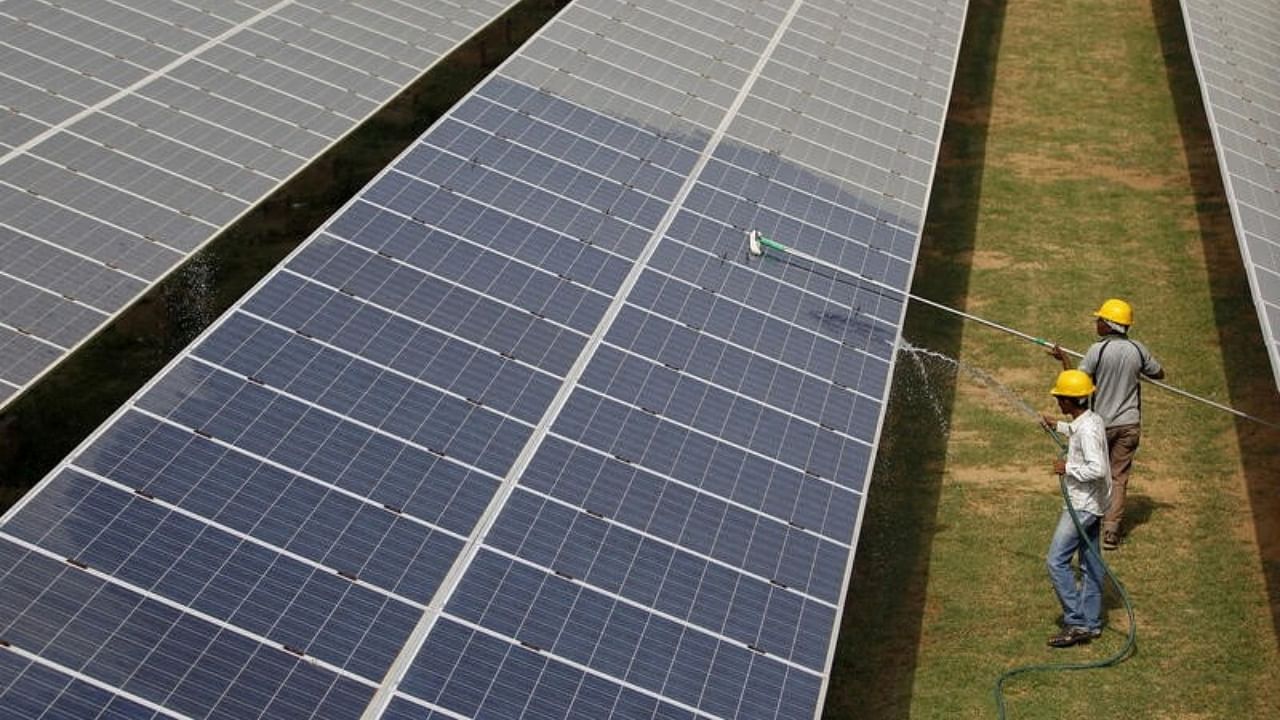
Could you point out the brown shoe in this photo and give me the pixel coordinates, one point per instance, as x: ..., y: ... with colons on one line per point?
x: 1110, y: 540
x: 1072, y: 636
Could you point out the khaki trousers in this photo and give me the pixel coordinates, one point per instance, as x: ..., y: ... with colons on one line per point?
x: 1122, y: 443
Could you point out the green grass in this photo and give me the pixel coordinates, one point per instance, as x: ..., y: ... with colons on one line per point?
x: 1076, y: 167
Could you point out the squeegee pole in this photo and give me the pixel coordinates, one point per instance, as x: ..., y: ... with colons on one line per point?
x: 757, y: 243
x: 983, y: 321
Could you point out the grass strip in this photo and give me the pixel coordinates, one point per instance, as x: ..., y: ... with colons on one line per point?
x: 1076, y: 166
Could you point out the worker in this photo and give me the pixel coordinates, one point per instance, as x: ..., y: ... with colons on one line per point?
x: 1115, y: 363
x: 1086, y: 475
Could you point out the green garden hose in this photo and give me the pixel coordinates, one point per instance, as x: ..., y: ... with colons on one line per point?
x: 1130, y: 641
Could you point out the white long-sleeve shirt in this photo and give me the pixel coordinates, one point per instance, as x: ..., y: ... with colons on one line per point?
x: 1088, y: 475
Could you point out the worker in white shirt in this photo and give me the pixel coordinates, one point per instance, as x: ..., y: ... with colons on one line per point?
x: 1086, y: 472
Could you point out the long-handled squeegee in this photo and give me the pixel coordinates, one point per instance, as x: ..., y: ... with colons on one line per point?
x: 757, y: 244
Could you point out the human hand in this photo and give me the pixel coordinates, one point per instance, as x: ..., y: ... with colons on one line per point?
x: 1047, y: 423
x: 1059, y: 467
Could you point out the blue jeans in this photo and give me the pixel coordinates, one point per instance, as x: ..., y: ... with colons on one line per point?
x: 1081, y: 603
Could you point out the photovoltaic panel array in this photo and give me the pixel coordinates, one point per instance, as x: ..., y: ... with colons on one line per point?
x: 523, y: 431
x: 131, y: 133
x: 1235, y: 45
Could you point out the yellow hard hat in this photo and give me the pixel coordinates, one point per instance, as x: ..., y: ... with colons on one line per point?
x: 1073, y: 383
x: 1117, y: 311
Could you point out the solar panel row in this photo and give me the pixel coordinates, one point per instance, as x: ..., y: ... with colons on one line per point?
x: 133, y: 133
x: 1235, y: 45
x: 521, y: 432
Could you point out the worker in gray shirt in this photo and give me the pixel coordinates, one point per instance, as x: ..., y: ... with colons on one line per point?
x: 1116, y: 362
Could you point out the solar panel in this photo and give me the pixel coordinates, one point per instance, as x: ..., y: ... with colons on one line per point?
x: 133, y: 132
x: 1235, y: 45
x: 523, y: 431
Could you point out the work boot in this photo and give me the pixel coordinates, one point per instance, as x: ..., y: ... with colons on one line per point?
x: 1073, y: 636
x: 1110, y: 535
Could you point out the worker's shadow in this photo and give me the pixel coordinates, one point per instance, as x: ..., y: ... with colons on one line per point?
x: 1138, y: 510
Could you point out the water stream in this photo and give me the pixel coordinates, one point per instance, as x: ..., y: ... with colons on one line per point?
x: 924, y: 360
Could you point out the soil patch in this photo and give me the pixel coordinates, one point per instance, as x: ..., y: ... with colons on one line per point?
x: 1041, y: 168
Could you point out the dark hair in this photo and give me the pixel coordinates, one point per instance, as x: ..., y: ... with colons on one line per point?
x: 1082, y: 402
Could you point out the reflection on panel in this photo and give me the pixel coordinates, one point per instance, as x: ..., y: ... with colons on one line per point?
x: 133, y: 133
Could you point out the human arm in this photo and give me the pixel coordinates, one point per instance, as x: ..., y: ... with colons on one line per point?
x: 1057, y: 353
x: 1060, y: 430
x: 1052, y: 425
x: 1151, y: 367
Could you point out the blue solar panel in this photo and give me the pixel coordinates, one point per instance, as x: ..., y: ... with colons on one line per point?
x: 523, y: 431
x: 1236, y: 49
x: 33, y: 689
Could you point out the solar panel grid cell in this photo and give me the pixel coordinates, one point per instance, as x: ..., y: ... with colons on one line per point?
x: 30, y: 308
x: 36, y: 689
x: 153, y: 651
x: 517, y: 435
x: 24, y: 354
x: 214, y: 570
x: 689, y: 584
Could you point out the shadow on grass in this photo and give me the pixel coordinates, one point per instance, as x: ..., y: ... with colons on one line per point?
x: 1138, y: 510
x: 875, y: 661
x: 59, y: 411
x: 1248, y: 373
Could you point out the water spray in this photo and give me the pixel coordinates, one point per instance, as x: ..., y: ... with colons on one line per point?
x: 758, y: 243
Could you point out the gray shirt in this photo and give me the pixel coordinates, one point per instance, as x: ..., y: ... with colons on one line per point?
x: 1115, y: 362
